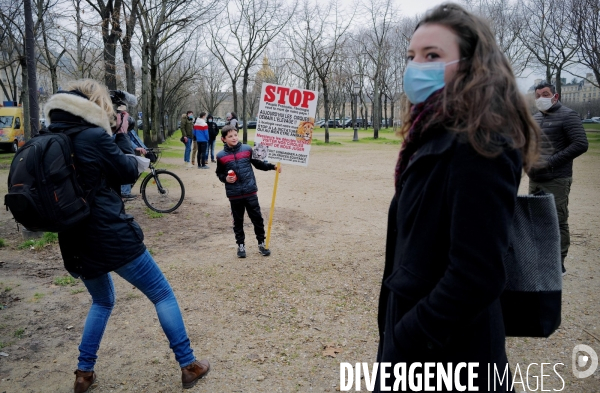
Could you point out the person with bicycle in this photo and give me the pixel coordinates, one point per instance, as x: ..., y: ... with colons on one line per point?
x: 138, y: 147
x: 110, y: 240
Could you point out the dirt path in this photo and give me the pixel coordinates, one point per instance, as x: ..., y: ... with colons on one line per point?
x: 262, y: 321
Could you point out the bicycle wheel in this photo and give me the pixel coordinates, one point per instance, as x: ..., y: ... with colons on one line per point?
x: 164, y: 192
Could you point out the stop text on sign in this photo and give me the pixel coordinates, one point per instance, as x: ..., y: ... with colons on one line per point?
x: 294, y: 97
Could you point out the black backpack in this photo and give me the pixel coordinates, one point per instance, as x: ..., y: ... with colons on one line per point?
x: 43, y: 191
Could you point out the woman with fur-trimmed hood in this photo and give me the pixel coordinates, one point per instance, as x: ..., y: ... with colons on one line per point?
x: 110, y: 239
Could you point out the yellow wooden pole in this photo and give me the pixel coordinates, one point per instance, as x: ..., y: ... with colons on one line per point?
x: 272, y: 205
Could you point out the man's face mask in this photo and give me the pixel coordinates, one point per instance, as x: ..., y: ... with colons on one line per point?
x: 544, y: 103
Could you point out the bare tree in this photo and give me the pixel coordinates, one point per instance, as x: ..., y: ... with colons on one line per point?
x: 110, y: 13
x: 130, y: 18
x: 51, y: 59
x: 163, y: 24
x: 380, y: 14
x: 585, y: 21
x: 320, y: 31
x: 211, y: 83
x: 88, y: 53
x: 508, y: 21
x: 252, y: 24
x: 549, y: 37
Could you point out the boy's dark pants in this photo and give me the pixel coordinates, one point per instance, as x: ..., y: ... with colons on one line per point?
x: 560, y: 188
x: 238, y: 207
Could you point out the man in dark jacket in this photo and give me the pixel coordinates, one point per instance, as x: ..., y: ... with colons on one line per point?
x: 187, y: 122
x: 563, y: 140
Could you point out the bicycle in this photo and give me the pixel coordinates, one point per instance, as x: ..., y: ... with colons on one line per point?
x: 162, y: 190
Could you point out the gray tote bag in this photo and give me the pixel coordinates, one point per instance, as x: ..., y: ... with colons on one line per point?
x: 531, y: 301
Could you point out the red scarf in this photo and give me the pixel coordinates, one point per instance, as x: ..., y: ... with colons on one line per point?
x: 422, y: 116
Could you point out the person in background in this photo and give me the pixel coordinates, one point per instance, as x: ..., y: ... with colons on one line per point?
x: 213, y: 132
x: 233, y: 120
x: 564, y: 140
x: 467, y: 135
x: 139, y: 148
x: 187, y: 122
x: 201, y: 135
x: 110, y: 240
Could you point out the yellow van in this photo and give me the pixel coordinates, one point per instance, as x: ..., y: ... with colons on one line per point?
x: 12, y: 135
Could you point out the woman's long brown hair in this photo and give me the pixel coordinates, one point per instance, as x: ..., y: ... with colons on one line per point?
x: 482, y: 101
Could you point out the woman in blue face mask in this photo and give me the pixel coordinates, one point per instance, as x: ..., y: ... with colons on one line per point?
x: 467, y: 137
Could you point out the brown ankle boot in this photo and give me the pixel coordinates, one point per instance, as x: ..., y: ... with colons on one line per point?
x: 191, y: 374
x: 83, y: 380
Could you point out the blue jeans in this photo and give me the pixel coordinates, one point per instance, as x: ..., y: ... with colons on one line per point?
x: 125, y: 189
x: 188, y: 150
x: 144, y: 274
x: 211, y: 147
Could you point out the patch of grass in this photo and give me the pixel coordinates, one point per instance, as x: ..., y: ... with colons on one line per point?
x: 3, y: 243
x: 26, y: 244
x: 3, y: 344
x: 591, y: 127
x: 7, y: 289
x: 322, y: 143
x: 5, y: 159
x: 64, y: 281
x: 47, y: 238
x: 76, y: 291
x: 37, y: 296
x: 151, y: 251
x: 19, y: 333
x: 593, y: 137
x: 380, y: 140
x: 152, y: 214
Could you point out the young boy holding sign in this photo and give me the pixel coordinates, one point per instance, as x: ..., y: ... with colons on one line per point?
x: 234, y: 168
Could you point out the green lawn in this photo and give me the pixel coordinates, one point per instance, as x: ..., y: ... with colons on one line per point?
x: 594, y: 127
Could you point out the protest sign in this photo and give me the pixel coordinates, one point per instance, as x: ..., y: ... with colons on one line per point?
x: 285, y: 122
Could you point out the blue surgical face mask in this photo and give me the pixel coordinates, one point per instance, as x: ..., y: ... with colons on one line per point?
x: 423, y: 79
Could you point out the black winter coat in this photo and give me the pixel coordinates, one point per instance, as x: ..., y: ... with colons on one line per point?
x: 563, y: 140
x: 239, y: 159
x: 213, y: 130
x: 109, y: 238
x: 447, y: 235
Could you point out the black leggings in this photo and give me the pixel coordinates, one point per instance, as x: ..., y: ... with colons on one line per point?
x: 202, y: 146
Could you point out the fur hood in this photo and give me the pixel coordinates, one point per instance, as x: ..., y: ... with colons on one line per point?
x: 78, y: 106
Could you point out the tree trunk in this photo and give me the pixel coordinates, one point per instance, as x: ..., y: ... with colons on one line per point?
x: 235, y: 94
x: 79, y: 27
x: 558, y: 83
x: 126, y: 49
x: 387, y: 123
x: 392, y: 111
x: 25, y: 99
x: 153, y: 99
x: 242, y: 115
x: 375, y: 110
x: 326, y: 107
x: 111, y: 19
x: 145, y: 93
x: 34, y: 116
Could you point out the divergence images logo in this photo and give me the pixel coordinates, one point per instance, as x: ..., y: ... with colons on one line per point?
x: 584, y: 355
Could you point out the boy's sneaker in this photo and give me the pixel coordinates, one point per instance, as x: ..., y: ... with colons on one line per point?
x: 241, y: 253
x: 263, y: 249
